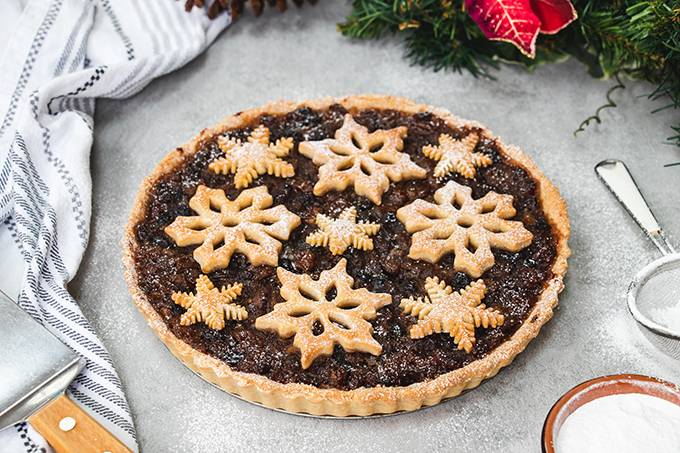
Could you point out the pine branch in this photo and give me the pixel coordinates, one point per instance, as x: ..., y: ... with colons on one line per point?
x: 640, y: 39
x: 438, y: 33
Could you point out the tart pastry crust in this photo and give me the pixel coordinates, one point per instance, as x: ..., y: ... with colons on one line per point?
x: 305, y: 398
x: 457, y: 223
x: 367, y: 161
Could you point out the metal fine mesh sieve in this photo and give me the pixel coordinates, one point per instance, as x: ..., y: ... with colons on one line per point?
x: 654, y: 293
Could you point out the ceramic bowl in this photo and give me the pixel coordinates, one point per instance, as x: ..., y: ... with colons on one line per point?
x: 597, y: 388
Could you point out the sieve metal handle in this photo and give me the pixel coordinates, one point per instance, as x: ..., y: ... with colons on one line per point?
x: 620, y: 182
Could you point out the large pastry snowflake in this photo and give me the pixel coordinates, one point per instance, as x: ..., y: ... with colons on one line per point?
x: 457, y: 156
x: 467, y: 227
x: 455, y: 313
x: 338, y: 234
x: 210, y: 305
x: 244, y: 225
x: 255, y: 157
x: 325, y: 312
x: 367, y: 161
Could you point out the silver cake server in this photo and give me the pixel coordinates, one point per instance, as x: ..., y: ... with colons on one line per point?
x: 35, y: 370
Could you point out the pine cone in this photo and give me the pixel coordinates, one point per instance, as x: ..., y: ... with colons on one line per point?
x: 235, y: 7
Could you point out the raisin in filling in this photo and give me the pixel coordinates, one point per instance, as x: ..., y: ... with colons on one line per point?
x: 514, y: 282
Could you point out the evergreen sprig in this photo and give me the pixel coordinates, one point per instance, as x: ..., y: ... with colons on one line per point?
x: 638, y: 39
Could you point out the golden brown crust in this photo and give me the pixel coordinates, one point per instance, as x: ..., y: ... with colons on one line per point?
x: 362, y: 401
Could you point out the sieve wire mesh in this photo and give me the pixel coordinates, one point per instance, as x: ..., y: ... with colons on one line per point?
x: 658, y: 297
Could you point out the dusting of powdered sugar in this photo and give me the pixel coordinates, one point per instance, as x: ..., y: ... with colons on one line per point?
x: 625, y: 423
x: 667, y: 316
x: 659, y: 295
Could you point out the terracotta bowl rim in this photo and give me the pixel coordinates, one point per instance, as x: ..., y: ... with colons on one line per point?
x: 547, y: 440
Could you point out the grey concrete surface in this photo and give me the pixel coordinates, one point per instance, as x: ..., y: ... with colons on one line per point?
x: 299, y: 55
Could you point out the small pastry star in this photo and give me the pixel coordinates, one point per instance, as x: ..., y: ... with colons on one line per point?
x: 457, y: 156
x: 338, y: 234
x: 210, y: 305
x: 456, y: 313
x: 257, y: 156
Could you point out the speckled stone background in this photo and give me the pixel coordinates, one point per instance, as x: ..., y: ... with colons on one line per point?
x: 300, y: 55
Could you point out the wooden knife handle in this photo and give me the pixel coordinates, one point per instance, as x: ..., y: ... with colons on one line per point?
x: 54, y: 422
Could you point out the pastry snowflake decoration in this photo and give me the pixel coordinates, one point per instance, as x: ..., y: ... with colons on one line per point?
x: 257, y: 156
x: 367, y: 161
x: 457, y: 223
x: 455, y: 313
x: 247, y: 225
x: 211, y: 305
x: 342, y: 313
x: 338, y: 234
x: 457, y: 156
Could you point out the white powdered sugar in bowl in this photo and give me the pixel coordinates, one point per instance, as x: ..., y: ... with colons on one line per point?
x: 622, y: 423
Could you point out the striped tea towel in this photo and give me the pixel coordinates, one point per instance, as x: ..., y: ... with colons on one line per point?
x: 59, y: 56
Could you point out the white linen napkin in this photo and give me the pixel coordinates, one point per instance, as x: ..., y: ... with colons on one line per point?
x: 59, y: 56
